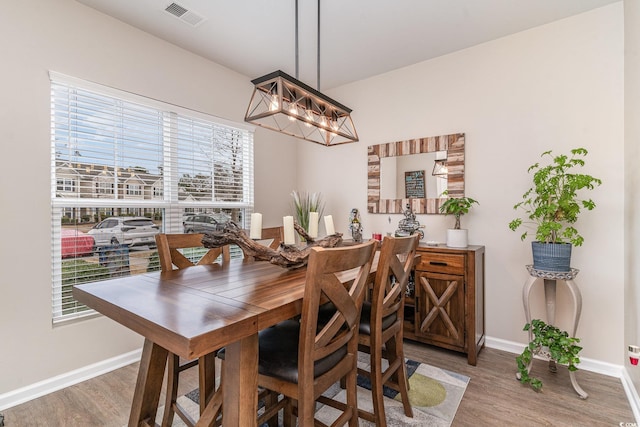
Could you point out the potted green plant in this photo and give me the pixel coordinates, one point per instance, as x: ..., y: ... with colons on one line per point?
x: 552, y: 206
x: 457, y: 206
x: 305, y: 203
x: 551, y: 342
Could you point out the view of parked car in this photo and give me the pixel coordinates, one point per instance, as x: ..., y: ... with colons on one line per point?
x: 129, y: 231
x: 203, y: 223
x: 75, y: 243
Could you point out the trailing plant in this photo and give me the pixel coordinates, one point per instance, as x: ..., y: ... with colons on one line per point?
x: 457, y: 206
x: 552, y: 342
x: 303, y: 203
x: 552, y: 204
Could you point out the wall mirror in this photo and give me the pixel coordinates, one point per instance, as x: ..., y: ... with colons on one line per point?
x: 415, y: 172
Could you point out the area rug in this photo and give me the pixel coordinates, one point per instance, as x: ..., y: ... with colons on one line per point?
x: 434, y: 395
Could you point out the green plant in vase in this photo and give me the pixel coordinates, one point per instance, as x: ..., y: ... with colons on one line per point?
x: 552, y: 206
x: 457, y: 206
x: 303, y: 204
x: 551, y: 342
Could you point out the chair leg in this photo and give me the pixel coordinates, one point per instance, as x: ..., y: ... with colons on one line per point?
x: 206, y: 378
x: 288, y: 418
x: 352, y: 397
x: 396, y: 351
x: 271, y: 400
x: 172, y: 388
x: 376, y: 386
x: 210, y: 413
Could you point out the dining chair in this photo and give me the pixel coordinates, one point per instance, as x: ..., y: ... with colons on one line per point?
x: 184, y: 251
x: 172, y: 251
x: 274, y: 236
x: 299, y: 359
x: 381, y: 333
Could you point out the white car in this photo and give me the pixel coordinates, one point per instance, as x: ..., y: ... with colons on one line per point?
x: 129, y: 231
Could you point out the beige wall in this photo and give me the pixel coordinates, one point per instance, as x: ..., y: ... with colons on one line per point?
x: 558, y: 87
x: 554, y: 87
x: 632, y: 179
x: 64, y: 36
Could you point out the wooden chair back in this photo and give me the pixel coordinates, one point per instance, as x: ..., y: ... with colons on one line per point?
x: 381, y: 325
x: 397, y: 256
x: 170, y: 255
x: 274, y: 234
x: 341, y: 331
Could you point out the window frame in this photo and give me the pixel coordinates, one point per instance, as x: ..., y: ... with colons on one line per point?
x: 162, y: 194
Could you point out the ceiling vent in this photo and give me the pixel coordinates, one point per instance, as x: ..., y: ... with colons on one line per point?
x: 190, y: 17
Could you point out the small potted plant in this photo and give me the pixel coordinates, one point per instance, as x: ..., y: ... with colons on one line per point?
x: 552, y: 207
x: 551, y: 342
x: 457, y: 206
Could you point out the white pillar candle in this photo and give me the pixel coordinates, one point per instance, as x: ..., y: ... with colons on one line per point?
x: 289, y: 236
x: 328, y: 225
x: 313, y: 224
x: 255, y: 232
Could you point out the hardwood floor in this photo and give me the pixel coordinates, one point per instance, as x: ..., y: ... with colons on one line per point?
x: 493, y: 398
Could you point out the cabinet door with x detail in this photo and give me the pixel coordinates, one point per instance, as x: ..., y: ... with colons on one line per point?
x: 440, y: 309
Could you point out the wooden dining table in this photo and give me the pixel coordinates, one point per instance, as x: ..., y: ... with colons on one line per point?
x: 192, y: 313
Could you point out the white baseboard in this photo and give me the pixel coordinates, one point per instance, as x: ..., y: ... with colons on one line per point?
x: 24, y: 394
x: 632, y: 395
x: 591, y: 365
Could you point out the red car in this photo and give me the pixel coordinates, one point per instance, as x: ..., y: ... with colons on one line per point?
x: 75, y: 243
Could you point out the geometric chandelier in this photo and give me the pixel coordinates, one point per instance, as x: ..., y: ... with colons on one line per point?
x: 285, y: 104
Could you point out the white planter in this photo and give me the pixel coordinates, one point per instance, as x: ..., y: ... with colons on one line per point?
x: 457, y: 238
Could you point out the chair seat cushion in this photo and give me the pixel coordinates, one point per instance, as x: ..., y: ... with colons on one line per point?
x: 278, y: 353
x: 365, y: 319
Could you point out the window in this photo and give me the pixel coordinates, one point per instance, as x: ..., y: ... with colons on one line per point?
x: 134, y: 190
x: 124, y: 168
x: 66, y: 184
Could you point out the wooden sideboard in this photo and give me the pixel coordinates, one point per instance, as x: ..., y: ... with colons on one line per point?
x: 445, y: 301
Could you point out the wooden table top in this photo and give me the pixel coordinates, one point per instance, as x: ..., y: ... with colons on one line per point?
x: 191, y: 311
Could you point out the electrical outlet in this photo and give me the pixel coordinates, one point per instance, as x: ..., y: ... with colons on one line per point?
x: 634, y: 354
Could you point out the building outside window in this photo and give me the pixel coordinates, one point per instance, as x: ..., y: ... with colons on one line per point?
x: 137, y: 164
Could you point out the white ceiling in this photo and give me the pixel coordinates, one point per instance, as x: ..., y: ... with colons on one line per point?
x: 359, y: 38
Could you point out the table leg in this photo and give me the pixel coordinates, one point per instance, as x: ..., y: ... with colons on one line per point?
x: 240, y: 383
x: 148, y: 385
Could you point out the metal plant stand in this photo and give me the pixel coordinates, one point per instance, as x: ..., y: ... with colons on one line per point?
x: 550, y: 278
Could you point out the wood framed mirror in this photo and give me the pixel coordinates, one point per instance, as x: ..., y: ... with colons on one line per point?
x: 389, y: 164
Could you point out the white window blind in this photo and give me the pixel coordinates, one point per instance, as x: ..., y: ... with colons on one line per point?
x: 122, y: 164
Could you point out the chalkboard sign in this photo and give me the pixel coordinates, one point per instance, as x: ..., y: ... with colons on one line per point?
x: 414, y: 185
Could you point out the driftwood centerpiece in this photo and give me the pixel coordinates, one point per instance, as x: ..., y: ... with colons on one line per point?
x: 288, y: 256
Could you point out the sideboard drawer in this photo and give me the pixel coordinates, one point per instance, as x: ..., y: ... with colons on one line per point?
x: 442, y: 263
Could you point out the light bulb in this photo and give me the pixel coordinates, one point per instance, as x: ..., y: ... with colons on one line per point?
x: 274, y: 103
x: 309, y: 117
x: 293, y: 110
